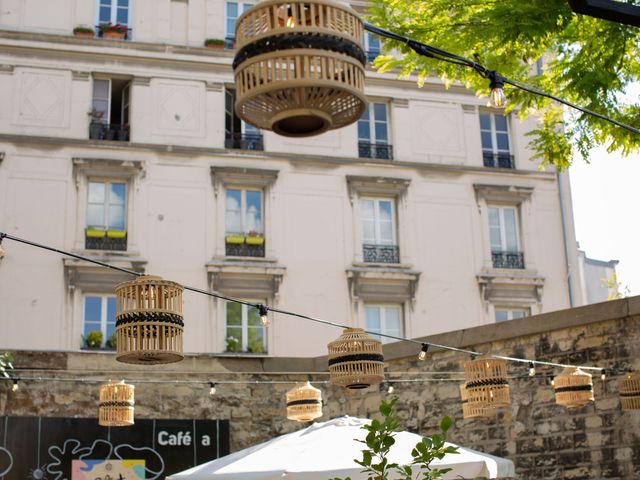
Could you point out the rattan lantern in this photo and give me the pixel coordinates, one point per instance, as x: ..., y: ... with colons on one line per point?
x: 355, y: 360
x: 299, y: 70
x: 304, y: 403
x: 470, y: 410
x: 487, y: 384
x: 573, y: 387
x: 116, y: 404
x: 149, y: 321
x: 629, y: 387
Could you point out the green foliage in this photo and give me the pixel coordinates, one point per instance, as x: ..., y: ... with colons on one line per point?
x: 93, y: 339
x: 585, y: 60
x: 380, y: 439
x: 619, y: 290
x: 6, y: 364
x: 111, y: 341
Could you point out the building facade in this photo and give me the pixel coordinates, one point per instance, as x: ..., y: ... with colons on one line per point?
x: 425, y: 216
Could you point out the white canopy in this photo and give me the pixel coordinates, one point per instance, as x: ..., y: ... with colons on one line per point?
x: 326, y: 450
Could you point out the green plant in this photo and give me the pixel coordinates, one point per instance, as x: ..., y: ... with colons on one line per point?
x: 213, y: 42
x: 6, y: 364
x: 111, y: 341
x: 117, y: 28
x: 93, y: 339
x: 379, y: 440
x: 82, y: 29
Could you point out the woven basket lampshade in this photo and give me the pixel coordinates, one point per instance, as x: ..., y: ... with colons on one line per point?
x: 116, y: 404
x: 299, y: 70
x: 355, y: 360
x: 487, y: 384
x: 304, y: 403
x: 149, y: 321
x: 470, y: 410
x: 573, y: 387
x: 629, y: 387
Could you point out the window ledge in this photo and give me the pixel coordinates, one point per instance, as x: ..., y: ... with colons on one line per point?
x: 90, y: 277
x: 383, y: 284
x: 242, y: 355
x: 512, y: 287
x: 391, y: 267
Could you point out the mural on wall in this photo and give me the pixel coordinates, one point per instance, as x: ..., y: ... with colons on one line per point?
x: 39, y: 448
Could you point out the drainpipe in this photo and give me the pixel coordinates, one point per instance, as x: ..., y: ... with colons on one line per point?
x: 564, y: 239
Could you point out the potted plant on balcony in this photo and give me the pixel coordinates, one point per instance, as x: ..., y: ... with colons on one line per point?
x: 254, y: 238
x: 234, y: 238
x: 123, y: 133
x: 214, y: 43
x: 117, y: 31
x: 96, y: 126
x: 93, y: 232
x: 83, y: 32
x: 93, y: 340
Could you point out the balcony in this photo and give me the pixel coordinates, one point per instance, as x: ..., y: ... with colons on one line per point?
x: 106, y: 131
x: 507, y: 259
x: 497, y: 160
x: 244, y: 142
x: 380, y: 253
x: 240, y: 245
x: 375, y: 150
x: 110, y: 31
x: 114, y: 240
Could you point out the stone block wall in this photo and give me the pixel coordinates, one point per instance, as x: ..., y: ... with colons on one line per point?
x: 599, y: 441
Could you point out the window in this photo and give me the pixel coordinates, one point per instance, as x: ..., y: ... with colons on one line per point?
x: 106, y: 215
x: 99, y: 321
x: 234, y: 10
x: 373, y: 135
x: 110, y: 110
x: 371, y: 46
x: 494, y: 133
x: 504, y: 314
x: 238, y: 133
x: 244, y: 226
x: 386, y: 319
x: 504, y: 237
x: 379, y: 231
x: 113, y: 12
x: 245, y: 332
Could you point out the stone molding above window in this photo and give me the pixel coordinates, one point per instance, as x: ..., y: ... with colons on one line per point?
x: 381, y: 186
x: 104, y: 167
x: 250, y: 177
x: 245, y: 279
x: 502, y: 193
x: 521, y: 289
x: 89, y: 277
x: 375, y: 284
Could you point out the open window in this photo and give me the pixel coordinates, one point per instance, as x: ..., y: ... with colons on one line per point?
x: 110, y: 109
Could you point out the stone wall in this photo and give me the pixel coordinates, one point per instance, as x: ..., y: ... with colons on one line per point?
x: 599, y: 441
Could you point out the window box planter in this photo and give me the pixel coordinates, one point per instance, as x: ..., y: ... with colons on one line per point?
x: 214, y: 43
x: 95, y: 233
x: 254, y: 240
x: 84, y: 32
x: 236, y: 239
x: 95, y: 130
x: 114, y: 35
x: 116, y: 233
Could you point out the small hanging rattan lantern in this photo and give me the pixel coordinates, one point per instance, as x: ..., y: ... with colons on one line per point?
x: 304, y: 403
x: 116, y: 404
x: 355, y: 360
x: 299, y: 70
x: 573, y: 387
x: 470, y: 410
x: 487, y: 384
x: 149, y: 321
x: 629, y: 387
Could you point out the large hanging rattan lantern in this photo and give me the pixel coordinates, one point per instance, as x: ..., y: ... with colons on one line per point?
x: 304, y: 403
x: 629, y: 387
x: 487, y: 384
x: 573, y: 387
x: 355, y: 360
x: 470, y: 410
x: 116, y: 404
x: 299, y: 70
x: 149, y: 321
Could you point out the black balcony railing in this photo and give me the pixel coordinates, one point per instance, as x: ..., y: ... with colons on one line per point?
x: 380, y: 253
x: 106, y: 131
x: 244, y: 141
x: 106, y: 243
x: 230, y: 42
x: 375, y: 150
x: 244, y: 250
x: 497, y: 160
x: 507, y: 259
x: 103, y: 31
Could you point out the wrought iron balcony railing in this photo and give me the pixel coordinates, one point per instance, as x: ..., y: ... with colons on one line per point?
x: 380, y: 253
x: 244, y: 250
x: 103, y: 31
x: 106, y: 243
x: 230, y: 42
x: 244, y: 142
x: 507, y: 259
x: 497, y: 160
x: 375, y: 150
x: 106, y: 131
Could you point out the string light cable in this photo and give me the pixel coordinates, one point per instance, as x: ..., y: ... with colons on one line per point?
x: 264, y: 309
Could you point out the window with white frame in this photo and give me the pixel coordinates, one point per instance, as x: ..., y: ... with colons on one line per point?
x: 372, y: 46
x: 504, y: 314
x: 233, y: 11
x: 113, y: 12
x: 244, y: 330
x: 373, y: 132
x: 386, y: 319
x: 106, y: 227
x: 110, y: 108
x: 99, y: 321
x: 244, y: 223
x: 379, y: 230
x: 504, y: 237
x: 494, y: 133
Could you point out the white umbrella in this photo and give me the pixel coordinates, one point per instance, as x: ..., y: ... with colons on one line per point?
x: 326, y: 450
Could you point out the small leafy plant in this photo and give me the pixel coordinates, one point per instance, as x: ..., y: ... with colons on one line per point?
x: 6, y: 364
x: 93, y: 339
x: 380, y: 439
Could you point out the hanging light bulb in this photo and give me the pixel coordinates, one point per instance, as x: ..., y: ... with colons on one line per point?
x: 15, y: 386
x: 390, y: 389
x: 552, y: 381
x: 264, y: 318
x: 532, y: 369
x: 497, y: 98
x: 2, y: 249
x: 212, y: 390
x: 603, y: 374
x: 423, y: 352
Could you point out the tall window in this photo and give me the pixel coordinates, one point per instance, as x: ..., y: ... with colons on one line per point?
x: 112, y: 12
x: 379, y: 231
x: 504, y: 314
x: 110, y: 109
x: 234, y: 10
x: 373, y: 132
x: 244, y: 224
x: 371, y: 46
x: 238, y: 133
x: 106, y: 215
x: 385, y: 319
x: 505, y: 239
x: 245, y: 332
x: 494, y: 132
x: 99, y: 321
